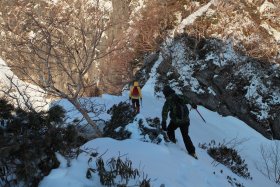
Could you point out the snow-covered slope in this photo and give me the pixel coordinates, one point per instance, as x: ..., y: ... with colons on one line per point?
x: 20, y: 92
x: 169, y: 164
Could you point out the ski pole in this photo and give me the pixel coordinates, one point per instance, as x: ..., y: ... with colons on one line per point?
x: 200, y: 115
x: 127, y: 100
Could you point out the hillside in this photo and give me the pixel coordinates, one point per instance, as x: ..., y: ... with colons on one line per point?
x: 252, y: 28
x: 222, y: 55
x: 228, y: 49
x: 168, y: 164
x: 209, y: 55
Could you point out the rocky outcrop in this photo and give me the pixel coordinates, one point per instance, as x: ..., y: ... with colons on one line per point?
x: 227, y: 82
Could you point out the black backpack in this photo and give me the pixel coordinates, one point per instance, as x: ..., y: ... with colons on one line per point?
x: 180, y: 110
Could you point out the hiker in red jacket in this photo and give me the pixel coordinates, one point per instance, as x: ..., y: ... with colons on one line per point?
x: 135, y: 95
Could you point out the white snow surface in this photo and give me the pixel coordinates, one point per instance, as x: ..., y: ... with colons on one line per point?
x: 266, y: 6
x: 21, y: 90
x: 191, y: 18
x: 168, y: 164
x: 272, y: 31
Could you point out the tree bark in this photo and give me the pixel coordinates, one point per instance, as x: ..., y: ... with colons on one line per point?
x: 80, y: 108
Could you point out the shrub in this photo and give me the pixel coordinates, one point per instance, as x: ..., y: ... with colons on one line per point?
x: 234, y: 182
x: 28, y: 144
x: 121, y: 115
x: 269, y: 164
x: 115, y: 172
x: 229, y: 157
x: 156, y: 135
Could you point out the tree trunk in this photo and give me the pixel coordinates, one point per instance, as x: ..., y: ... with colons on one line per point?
x: 78, y: 106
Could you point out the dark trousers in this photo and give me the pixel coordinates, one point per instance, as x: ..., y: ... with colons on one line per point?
x: 136, y: 105
x: 184, y: 128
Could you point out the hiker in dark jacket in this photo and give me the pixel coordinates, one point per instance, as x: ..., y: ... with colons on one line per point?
x: 179, y: 117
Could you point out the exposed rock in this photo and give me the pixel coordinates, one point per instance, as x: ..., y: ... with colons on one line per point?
x: 235, y: 85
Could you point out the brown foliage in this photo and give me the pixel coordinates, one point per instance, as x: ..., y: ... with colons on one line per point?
x: 149, y: 28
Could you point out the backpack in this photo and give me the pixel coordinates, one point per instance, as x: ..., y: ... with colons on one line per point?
x: 180, y: 110
x: 135, y: 92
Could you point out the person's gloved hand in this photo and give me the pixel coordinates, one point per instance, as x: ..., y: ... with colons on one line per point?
x: 163, y: 125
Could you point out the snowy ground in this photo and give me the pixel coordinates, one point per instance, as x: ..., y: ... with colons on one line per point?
x: 22, y: 92
x: 165, y: 164
x: 169, y: 165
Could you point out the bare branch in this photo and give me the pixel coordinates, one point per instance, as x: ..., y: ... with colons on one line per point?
x: 56, y: 46
x: 269, y: 164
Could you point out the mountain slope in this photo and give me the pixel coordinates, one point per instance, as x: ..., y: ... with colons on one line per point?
x: 170, y: 164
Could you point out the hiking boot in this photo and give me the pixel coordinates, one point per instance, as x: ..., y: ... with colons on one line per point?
x: 174, y: 141
x: 193, y: 155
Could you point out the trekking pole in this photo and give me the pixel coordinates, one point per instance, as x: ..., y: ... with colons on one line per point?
x: 127, y: 100
x: 141, y: 103
x: 200, y: 115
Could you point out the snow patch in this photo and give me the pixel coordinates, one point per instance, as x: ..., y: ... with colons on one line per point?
x: 21, y: 90
x: 211, y: 91
x: 150, y: 84
x: 266, y: 6
x: 191, y: 18
x: 184, y: 69
x: 254, y: 91
x: 225, y: 56
x: 271, y: 31
x: 275, y: 98
x: 31, y: 35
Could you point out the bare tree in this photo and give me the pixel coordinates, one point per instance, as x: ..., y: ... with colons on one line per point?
x: 23, y: 95
x: 49, y: 44
x: 269, y: 164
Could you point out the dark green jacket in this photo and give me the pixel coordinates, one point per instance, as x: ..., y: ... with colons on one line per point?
x: 170, y: 106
